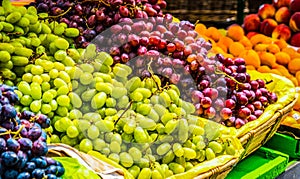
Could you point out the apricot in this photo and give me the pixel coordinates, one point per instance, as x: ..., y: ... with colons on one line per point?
x: 236, y: 48
x: 213, y: 33
x: 283, y: 70
x: 251, y: 58
x: 261, y: 47
x: 235, y: 32
x: 292, y: 52
x: 217, y: 49
x: 294, y: 65
x: 246, y: 42
x: 264, y: 69
x: 226, y: 41
x: 281, y: 43
x: 260, y: 38
x: 250, y: 67
x: 282, y: 58
x: 200, y: 28
x: 267, y: 58
x: 273, y: 48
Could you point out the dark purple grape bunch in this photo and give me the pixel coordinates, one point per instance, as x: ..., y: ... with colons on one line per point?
x: 93, y: 17
x: 36, y: 167
x: 233, y: 99
x: 41, y: 119
x: 7, y: 99
x: 23, y: 142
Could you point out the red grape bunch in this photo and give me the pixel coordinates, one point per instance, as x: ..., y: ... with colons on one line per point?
x: 23, y: 142
x: 173, y: 49
x: 234, y: 99
x: 92, y: 17
x: 220, y: 87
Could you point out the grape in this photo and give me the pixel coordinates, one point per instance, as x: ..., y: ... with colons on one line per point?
x: 93, y: 132
x: 140, y: 135
x: 126, y: 159
x: 176, y: 168
x: 9, y: 158
x: 35, y: 106
x: 63, y: 100
x: 72, y: 131
x: 98, y: 100
x: 163, y: 148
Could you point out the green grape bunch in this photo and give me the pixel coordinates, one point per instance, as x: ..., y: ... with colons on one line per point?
x: 26, y: 35
x: 135, y: 121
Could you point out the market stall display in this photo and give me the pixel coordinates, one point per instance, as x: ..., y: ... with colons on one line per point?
x: 122, y: 89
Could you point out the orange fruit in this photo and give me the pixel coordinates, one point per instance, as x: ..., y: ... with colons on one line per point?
x: 235, y: 32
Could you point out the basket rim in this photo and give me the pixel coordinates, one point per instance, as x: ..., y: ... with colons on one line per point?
x: 277, y: 114
x: 273, y: 124
x: 226, y: 167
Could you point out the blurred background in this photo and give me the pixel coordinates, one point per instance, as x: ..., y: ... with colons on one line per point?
x: 213, y: 12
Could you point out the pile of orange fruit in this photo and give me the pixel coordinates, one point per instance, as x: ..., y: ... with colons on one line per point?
x: 261, y: 53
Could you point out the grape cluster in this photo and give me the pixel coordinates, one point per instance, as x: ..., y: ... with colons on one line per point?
x: 137, y: 122
x: 23, y: 142
x: 93, y: 17
x: 175, y: 53
x: 233, y: 99
x: 24, y: 38
x: 174, y: 50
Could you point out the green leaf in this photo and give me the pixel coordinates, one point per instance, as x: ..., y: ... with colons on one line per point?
x: 74, y: 170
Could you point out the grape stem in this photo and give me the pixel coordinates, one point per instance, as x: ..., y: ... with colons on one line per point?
x: 14, y: 33
x: 33, y: 57
x: 152, y: 74
x: 18, y: 132
x: 59, y: 15
x: 223, y: 73
x: 127, y: 108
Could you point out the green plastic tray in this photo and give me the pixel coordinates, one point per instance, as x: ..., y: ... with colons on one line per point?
x: 286, y: 144
x: 263, y: 163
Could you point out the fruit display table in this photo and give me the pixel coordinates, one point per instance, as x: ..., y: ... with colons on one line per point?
x: 148, y: 89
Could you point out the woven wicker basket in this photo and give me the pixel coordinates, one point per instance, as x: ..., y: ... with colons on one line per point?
x: 254, y: 139
x: 219, y: 172
x: 107, y: 171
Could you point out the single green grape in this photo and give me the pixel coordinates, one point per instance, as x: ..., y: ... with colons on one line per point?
x: 99, y: 144
x: 26, y: 100
x: 115, y: 147
x: 37, y: 79
x: 72, y: 131
x: 93, y: 132
x: 46, y: 108
x: 86, y: 145
x: 27, y: 77
x: 63, y: 100
x: 36, y: 105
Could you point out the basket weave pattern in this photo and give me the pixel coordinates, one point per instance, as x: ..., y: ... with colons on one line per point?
x: 254, y: 139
